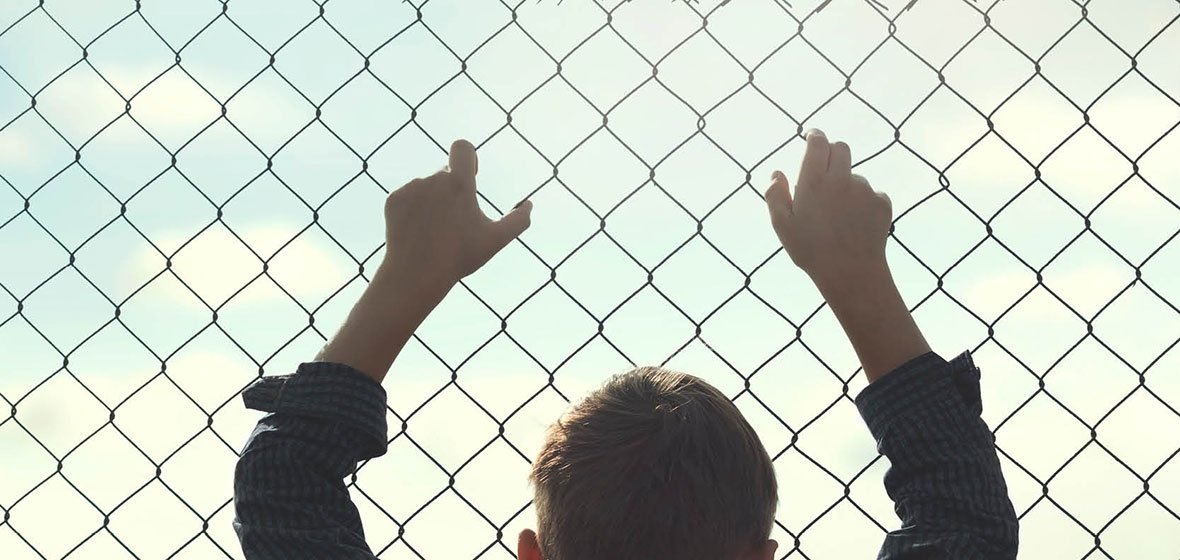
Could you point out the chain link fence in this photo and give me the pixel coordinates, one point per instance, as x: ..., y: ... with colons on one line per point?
x: 190, y: 200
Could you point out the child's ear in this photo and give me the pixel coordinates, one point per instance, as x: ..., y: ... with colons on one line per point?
x: 528, y: 548
x: 765, y: 551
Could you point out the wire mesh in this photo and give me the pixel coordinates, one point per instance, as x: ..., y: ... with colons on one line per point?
x: 1039, y: 175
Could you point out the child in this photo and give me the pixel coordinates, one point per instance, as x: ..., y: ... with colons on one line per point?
x: 655, y: 465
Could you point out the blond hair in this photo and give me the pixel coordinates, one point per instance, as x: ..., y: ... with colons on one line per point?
x: 654, y: 465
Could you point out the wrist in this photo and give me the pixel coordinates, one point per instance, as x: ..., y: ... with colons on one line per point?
x: 396, y: 282
x: 864, y: 280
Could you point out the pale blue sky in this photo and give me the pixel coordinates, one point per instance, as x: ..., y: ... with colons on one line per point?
x: 366, y: 143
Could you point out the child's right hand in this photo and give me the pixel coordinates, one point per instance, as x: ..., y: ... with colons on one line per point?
x: 835, y: 226
x: 835, y: 229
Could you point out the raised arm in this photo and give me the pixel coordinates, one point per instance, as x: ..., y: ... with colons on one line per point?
x: 435, y: 235
x: 945, y: 479
x: 289, y: 497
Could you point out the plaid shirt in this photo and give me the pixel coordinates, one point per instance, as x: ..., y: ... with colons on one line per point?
x: 945, y: 479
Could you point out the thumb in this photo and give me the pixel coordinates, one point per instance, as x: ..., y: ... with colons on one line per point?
x: 779, y: 200
x: 512, y: 224
x: 463, y: 164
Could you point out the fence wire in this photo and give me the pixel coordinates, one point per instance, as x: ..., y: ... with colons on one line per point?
x: 30, y: 27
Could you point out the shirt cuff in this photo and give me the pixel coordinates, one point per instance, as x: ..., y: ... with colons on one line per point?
x: 916, y: 388
x: 329, y: 391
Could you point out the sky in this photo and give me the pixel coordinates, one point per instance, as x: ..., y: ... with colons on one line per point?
x: 136, y: 219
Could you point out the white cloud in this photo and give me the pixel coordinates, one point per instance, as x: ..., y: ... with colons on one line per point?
x: 216, y: 264
x: 1001, y: 290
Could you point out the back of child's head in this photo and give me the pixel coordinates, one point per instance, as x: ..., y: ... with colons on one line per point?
x: 655, y: 465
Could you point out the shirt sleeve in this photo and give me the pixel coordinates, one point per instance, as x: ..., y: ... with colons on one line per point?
x: 945, y: 479
x: 289, y: 496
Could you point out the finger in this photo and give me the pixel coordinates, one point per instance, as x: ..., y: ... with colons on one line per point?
x: 512, y: 224
x: 780, y: 203
x: 840, y: 162
x: 463, y: 163
x: 859, y: 181
x: 888, y: 202
x: 778, y: 195
x: 815, y: 159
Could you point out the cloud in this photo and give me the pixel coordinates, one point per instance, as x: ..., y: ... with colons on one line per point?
x: 15, y: 147
x: 998, y: 291
x: 216, y: 264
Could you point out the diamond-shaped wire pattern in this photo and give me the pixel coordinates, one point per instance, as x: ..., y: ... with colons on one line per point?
x: 188, y: 203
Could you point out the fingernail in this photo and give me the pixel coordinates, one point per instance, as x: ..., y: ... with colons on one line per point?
x: 519, y: 204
